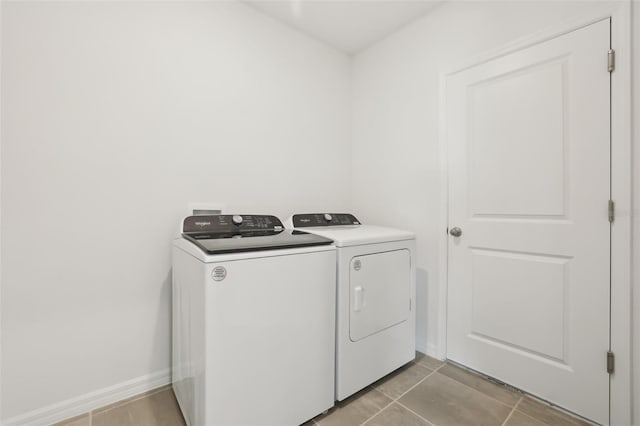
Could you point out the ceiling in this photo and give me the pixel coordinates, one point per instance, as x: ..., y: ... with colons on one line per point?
x: 348, y: 25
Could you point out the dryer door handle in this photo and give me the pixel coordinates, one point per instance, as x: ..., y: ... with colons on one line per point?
x: 358, y: 298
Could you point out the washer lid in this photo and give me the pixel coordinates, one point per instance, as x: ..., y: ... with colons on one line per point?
x: 356, y: 235
x: 241, y: 233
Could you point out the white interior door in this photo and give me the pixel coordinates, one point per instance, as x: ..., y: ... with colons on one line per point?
x: 529, y: 181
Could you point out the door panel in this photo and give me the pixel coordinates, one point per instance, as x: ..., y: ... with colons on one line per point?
x: 525, y: 129
x: 380, y: 289
x: 528, y: 290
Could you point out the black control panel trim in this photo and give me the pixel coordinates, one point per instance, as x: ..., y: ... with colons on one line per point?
x: 219, y: 234
x: 324, y: 219
x: 226, y: 223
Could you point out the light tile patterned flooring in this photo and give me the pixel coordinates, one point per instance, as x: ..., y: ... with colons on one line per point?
x: 424, y: 392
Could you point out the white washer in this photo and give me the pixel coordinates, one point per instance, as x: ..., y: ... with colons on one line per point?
x: 253, y: 322
x: 375, y: 327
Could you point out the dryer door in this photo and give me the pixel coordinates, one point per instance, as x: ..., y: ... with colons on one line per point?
x: 380, y: 292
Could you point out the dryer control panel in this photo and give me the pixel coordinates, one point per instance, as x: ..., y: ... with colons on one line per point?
x: 323, y: 219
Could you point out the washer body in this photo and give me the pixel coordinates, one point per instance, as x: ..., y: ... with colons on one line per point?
x: 375, y: 313
x: 253, y: 324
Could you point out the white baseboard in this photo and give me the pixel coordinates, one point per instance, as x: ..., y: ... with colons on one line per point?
x: 427, y: 348
x: 432, y: 351
x: 90, y: 401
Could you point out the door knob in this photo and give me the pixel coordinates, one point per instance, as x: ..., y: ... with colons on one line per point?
x: 455, y: 232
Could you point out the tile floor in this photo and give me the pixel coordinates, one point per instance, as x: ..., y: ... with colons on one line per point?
x: 424, y: 392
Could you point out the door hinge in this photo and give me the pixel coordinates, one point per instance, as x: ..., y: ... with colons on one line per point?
x: 611, y: 361
x: 612, y: 210
x: 611, y: 62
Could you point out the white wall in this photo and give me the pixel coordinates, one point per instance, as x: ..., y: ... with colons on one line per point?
x: 114, y: 117
x: 110, y: 111
x: 396, y: 165
x: 636, y: 210
x: 1, y: 7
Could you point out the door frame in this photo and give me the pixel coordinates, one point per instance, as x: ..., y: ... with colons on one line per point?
x: 620, y: 395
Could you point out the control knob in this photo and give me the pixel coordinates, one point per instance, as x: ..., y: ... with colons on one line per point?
x: 328, y: 217
x: 237, y: 219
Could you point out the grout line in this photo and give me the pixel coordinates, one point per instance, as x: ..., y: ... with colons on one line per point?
x: 522, y: 413
x: 486, y: 377
x: 377, y: 412
x: 420, y: 381
x: 396, y: 399
x: 517, y: 391
x: 380, y: 410
x: 429, y: 375
x: 443, y: 364
x: 401, y: 395
x: 409, y: 409
x: 129, y: 400
x: 512, y: 411
x: 523, y: 394
x: 558, y: 409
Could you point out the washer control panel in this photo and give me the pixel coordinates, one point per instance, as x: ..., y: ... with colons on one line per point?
x: 225, y: 223
x: 323, y: 219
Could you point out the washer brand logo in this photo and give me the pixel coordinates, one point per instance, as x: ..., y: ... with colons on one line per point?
x: 357, y: 265
x: 203, y: 224
x: 219, y: 273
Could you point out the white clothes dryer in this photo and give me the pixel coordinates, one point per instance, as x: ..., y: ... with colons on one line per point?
x: 253, y: 322
x: 375, y: 312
